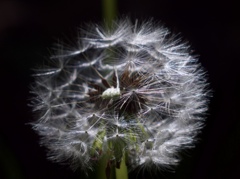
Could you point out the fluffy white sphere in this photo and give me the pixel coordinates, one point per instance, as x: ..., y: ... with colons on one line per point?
x: 131, y: 90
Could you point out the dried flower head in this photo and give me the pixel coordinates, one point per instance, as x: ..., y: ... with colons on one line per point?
x: 133, y: 90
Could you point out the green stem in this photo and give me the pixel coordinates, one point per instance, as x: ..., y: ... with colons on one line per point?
x: 122, y: 172
x: 109, y: 11
x: 101, y: 169
x: 114, y: 173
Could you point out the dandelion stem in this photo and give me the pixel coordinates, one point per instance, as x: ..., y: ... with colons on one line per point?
x: 109, y: 11
x: 106, y: 171
x: 122, y: 172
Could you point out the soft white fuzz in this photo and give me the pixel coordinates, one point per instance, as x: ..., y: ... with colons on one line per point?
x: 133, y: 90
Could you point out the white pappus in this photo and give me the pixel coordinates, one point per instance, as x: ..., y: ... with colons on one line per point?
x: 133, y: 90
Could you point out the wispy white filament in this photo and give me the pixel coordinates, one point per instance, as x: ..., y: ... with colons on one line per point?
x: 131, y: 90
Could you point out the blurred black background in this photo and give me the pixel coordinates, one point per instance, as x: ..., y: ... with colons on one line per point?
x: 29, y: 28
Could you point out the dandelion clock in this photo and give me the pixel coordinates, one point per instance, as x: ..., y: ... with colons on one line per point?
x: 133, y: 94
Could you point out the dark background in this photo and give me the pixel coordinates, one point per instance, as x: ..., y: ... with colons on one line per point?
x: 28, y: 29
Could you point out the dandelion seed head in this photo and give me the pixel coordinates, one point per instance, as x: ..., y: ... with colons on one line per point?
x: 131, y: 90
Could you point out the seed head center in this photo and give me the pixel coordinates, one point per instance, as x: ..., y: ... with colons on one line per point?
x: 111, y: 93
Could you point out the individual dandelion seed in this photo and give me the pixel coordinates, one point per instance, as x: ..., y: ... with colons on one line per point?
x: 133, y: 90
